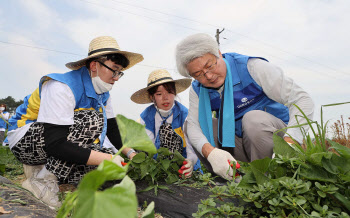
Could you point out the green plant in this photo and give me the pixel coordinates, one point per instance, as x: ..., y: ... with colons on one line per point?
x: 10, y: 167
x: 299, y: 182
x: 90, y: 201
x: 163, y: 168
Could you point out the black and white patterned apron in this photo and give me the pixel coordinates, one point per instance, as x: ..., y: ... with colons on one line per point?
x: 86, y: 129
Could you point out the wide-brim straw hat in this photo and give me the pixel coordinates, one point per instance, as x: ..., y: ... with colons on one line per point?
x: 158, y: 77
x: 105, y: 45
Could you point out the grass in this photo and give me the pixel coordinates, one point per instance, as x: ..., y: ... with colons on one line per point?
x: 13, y: 169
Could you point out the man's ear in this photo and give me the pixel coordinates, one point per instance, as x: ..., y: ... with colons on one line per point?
x: 220, y: 53
x: 93, y: 66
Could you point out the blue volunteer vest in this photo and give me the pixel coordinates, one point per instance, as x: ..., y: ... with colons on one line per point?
x: 3, y: 124
x: 180, y: 113
x: 247, y: 94
x: 79, y: 81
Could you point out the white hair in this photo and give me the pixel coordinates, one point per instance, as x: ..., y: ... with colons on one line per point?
x: 192, y: 47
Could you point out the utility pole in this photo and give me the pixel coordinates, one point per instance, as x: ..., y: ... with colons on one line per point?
x: 217, y: 35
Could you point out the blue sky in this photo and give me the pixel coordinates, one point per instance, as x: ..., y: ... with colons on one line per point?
x: 309, y: 40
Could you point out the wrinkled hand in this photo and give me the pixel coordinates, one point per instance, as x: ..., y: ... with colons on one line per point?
x: 186, y: 169
x: 118, y: 160
x: 218, y: 160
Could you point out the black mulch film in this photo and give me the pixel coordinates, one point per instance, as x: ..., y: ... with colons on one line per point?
x: 18, y: 202
x: 181, y: 203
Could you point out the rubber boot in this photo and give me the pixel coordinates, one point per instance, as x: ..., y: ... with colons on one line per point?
x: 43, y: 184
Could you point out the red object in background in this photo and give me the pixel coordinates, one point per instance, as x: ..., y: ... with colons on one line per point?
x: 123, y: 163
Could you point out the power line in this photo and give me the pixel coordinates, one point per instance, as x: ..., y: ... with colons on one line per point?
x: 160, y: 12
x: 128, y: 12
x: 248, y: 37
x: 41, y: 48
x: 287, y: 52
x: 306, y: 68
x: 64, y: 52
x: 119, y: 10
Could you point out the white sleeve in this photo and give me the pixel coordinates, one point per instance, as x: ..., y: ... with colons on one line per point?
x: 191, y: 155
x: 109, y: 109
x: 57, y: 104
x: 5, y: 116
x: 193, y: 130
x: 278, y: 87
x: 149, y: 133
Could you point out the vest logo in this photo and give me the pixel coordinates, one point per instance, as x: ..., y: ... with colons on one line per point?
x: 246, y: 102
x: 244, y: 99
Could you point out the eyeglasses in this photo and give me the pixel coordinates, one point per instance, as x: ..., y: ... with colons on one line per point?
x: 199, y: 74
x: 116, y: 73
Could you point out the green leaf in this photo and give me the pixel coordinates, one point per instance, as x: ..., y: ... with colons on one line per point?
x: 120, y: 199
x: 107, y: 170
x: 164, y: 187
x: 68, y: 205
x: 344, y: 201
x: 317, y: 173
x: 164, y: 151
x: 178, y: 158
x: 336, y: 164
x: 172, y: 178
x: 148, y: 188
x: 112, y: 171
x: 257, y: 204
x: 139, y: 158
x: 316, y: 158
x: 262, y: 164
x: 341, y: 149
x: 166, y: 163
x: 175, y: 167
x: 321, y: 194
x: 247, y: 181
x: 2, y: 169
x: 282, y: 147
x: 144, y: 170
x: 149, y: 212
x: 134, y: 135
x: 259, y: 168
x: 154, y: 172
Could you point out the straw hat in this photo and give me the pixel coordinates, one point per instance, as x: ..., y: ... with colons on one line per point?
x: 105, y: 45
x: 158, y: 77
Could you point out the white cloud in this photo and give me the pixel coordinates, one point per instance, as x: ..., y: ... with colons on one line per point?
x: 41, y: 13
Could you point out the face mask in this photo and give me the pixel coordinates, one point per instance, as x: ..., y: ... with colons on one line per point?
x: 165, y: 113
x: 2, y: 108
x: 100, y: 86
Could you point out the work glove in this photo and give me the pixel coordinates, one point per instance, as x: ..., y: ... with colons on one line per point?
x: 118, y: 160
x: 219, y: 161
x: 186, y: 169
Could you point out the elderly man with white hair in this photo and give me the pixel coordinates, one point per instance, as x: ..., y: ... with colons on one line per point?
x: 252, y: 99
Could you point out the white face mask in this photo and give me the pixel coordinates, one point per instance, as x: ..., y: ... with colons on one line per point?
x: 2, y: 108
x: 100, y: 86
x: 165, y: 113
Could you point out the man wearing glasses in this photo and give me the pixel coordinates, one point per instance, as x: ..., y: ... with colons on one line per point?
x: 59, y: 131
x: 251, y: 99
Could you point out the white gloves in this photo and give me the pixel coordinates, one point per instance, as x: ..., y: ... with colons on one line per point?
x: 219, y: 161
x: 186, y: 168
x: 118, y: 160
